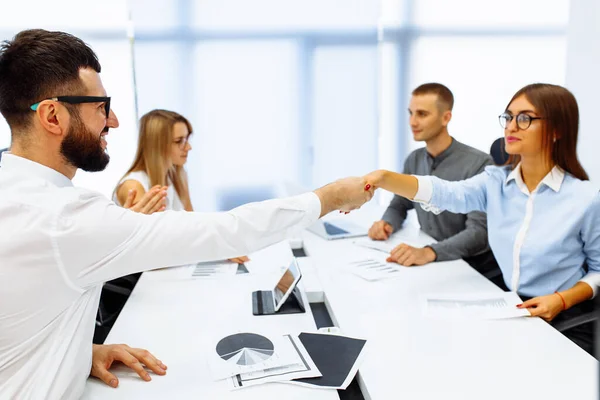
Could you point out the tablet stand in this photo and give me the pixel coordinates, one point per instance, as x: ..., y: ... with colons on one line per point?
x: 262, y: 303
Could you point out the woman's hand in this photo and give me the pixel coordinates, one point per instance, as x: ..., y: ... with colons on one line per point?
x: 546, y: 307
x: 403, y: 185
x: 154, y: 200
x: 375, y: 178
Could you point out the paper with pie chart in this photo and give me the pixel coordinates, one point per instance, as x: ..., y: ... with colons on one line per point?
x: 245, y: 352
x: 303, y: 367
x: 245, y: 349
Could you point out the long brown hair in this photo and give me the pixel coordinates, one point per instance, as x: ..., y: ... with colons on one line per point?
x: 559, y: 109
x: 154, y: 147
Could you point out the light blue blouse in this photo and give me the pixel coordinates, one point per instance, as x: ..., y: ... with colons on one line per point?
x: 542, y: 240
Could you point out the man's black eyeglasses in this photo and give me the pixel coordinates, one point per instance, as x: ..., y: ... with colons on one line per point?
x: 79, y: 100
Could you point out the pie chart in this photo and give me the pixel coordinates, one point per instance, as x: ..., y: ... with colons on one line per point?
x: 245, y: 348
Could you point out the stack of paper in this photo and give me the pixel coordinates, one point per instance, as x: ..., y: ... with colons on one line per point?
x: 248, y: 359
x: 337, y: 357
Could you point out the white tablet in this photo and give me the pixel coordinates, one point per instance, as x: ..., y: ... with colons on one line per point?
x: 286, y: 284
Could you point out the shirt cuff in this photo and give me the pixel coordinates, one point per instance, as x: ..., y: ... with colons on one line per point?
x: 313, y: 206
x: 592, y: 279
x: 425, y: 189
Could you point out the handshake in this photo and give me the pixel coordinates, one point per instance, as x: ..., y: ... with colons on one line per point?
x: 347, y: 194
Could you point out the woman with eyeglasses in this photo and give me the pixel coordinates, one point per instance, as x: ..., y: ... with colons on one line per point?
x: 163, y: 147
x: 543, y: 213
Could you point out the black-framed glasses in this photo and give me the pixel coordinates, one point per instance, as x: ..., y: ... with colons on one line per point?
x: 523, y: 120
x: 79, y: 100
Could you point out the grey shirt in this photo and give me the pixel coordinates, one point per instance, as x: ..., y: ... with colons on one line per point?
x: 458, y: 235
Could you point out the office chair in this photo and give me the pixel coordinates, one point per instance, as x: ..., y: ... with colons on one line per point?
x: 499, y: 155
x: 112, y: 300
x: 590, y: 317
x: 576, y: 321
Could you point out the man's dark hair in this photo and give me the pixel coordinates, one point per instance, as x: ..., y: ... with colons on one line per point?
x: 444, y: 95
x: 37, y: 65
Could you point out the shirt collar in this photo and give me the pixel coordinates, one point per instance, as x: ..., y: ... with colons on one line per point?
x: 20, y: 165
x: 444, y: 154
x: 553, y: 179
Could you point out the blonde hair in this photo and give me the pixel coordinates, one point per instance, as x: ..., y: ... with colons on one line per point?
x: 154, y: 147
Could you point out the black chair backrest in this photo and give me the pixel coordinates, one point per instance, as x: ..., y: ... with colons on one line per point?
x: 499, y: 155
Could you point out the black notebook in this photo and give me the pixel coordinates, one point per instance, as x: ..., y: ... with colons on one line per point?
x: 337, y: 357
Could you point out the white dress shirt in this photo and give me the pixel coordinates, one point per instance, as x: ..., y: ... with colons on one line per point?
x: 58, y: 244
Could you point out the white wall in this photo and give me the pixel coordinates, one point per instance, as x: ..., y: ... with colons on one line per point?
x: 583, y: 78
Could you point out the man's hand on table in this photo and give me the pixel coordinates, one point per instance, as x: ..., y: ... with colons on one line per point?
x: 105, y: 355
x: 406, y: 255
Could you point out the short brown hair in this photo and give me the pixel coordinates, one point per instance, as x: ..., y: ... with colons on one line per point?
x: 37, y: 65
x: 444, y: 94
x: 558, y: 108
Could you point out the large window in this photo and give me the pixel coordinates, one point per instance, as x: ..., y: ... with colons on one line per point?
x: 483, y: 73
x: 246, y: 119
x: 344, y: 112
x: 484, y: 52
x: 305, y: 91
x: 277, y: 92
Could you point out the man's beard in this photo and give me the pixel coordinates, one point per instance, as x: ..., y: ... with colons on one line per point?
x: 81, y: 148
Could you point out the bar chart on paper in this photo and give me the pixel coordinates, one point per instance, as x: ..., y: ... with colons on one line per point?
x: 245, y: 349
x: 214, y: 269
x: 372, y: 269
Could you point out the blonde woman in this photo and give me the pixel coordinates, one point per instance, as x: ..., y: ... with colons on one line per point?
x: 157, y: 176
x: 162, y: 152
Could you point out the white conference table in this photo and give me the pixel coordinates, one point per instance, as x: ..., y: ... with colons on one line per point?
x: 408, y: 355
x: 179, y: 320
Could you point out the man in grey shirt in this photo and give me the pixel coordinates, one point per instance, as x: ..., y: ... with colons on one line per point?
x: 458, y: 235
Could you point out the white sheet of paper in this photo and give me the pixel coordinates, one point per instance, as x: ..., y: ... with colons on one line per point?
x: 385, y: 246
x: 379, y: 245
x: 214, y: 269
x: 373, y: 269
x: 482, y: 305
x: 303, y: 367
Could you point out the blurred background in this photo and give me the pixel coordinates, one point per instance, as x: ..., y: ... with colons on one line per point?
x: 308, y: 91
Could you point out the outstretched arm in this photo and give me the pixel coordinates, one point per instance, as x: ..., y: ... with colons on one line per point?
x: 458, y: 197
